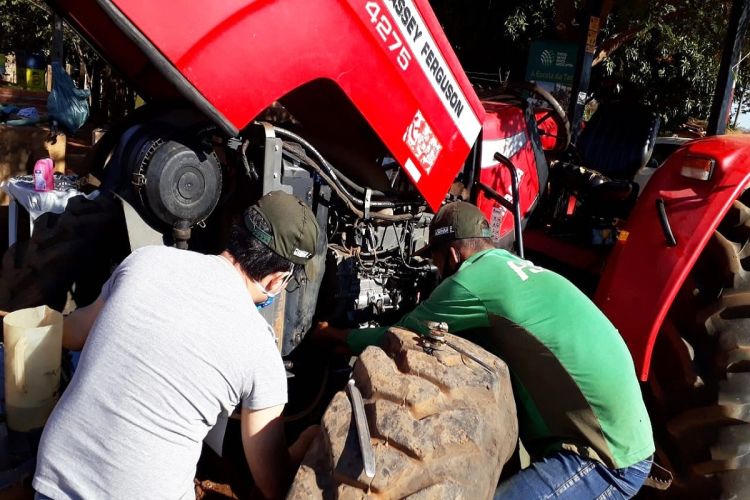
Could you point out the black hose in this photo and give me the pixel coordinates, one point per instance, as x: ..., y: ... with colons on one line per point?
x: 345, y: 196
x: 303, y: 158
x: 309, y: 147
x: 338, y: 177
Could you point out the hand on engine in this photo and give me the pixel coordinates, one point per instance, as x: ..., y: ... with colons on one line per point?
x: 324, y: 333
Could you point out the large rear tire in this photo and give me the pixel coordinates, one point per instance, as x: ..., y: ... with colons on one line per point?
x: 442, y: 426
x: 702, y: 370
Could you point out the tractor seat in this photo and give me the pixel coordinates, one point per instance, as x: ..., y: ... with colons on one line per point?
x: 617, y: 141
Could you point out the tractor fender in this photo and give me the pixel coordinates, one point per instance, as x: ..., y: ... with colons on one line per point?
x: 233, y: 59
x: 643, y: 273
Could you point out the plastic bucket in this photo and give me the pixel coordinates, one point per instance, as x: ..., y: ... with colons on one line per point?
x: 33, y: 350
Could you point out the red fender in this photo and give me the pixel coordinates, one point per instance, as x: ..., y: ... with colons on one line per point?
x: 233, y: 58
x: 643, y: 275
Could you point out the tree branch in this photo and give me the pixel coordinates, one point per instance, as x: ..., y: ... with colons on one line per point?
x: 614, y: 43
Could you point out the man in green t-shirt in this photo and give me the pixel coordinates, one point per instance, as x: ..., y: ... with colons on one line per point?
x: 581, y: 414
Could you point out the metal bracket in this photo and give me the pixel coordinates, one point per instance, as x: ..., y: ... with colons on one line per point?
x: 139, y: 180
x: 234, y: 143
x: 272, y: 161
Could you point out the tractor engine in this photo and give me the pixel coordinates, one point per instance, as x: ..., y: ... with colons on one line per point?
x: 188, y: 183
x: 371, y: 275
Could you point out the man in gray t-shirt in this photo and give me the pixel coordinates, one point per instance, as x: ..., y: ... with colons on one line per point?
x: 173, y: 342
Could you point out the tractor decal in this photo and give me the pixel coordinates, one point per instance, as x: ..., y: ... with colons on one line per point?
x: 417, y: 37
x: 422, y: 142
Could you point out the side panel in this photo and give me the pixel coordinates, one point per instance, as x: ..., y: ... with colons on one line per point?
x: 505, y: 130
x: 643, y: 274
x: 388, y: 56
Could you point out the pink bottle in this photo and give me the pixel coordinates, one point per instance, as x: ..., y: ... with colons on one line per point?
x: 44, y: 180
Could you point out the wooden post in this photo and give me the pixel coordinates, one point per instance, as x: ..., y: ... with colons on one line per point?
x: 593, y: 21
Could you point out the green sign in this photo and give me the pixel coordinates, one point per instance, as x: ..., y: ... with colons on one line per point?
x: 552, y: 62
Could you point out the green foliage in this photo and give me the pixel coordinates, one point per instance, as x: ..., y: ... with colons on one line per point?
x: 26, y: 28
x: 490, y: 35
x: 669, y: 55
x: 672, y: 62
x: 529, y: 18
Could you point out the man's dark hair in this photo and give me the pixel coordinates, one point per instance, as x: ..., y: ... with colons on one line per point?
x: 253, y: 256
x: 472, y: 245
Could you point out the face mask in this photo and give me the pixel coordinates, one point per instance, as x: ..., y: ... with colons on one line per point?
x: 271, y: 296
x: 265, y: 303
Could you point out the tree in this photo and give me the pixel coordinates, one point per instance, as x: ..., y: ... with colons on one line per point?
x: 664, y: 53
x: 741, y: 102
x: 671, y: 62
x: 26, y: 28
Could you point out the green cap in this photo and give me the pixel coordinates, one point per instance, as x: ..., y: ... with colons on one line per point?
x: 457, y: 221
x: 294, y: 230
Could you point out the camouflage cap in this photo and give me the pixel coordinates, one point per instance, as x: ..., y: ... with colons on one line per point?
x: 457, y: 221
x: 294, y: 230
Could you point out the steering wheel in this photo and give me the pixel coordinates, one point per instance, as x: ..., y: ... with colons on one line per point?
x: 555, y: 135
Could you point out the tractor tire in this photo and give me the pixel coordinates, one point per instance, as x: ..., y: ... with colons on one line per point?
x: 710, y: 433
x: 69, y: 255
x: 441, y: 426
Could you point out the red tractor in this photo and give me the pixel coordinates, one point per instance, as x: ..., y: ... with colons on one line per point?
x: 362, y: 109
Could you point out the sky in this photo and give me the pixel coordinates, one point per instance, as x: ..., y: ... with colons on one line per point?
x: 744, y: 121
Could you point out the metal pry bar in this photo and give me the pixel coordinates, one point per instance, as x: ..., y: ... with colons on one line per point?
x: 363, y: 431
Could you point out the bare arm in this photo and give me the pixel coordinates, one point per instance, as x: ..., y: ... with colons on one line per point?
x: 334, y: 337
x: 77, y: 325
x: 264, y: 442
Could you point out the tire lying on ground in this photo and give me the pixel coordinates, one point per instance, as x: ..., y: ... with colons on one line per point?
x: 441, y: 426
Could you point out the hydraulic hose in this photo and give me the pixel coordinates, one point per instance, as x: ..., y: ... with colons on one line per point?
x: 347, y: 198
x: 339, y: 177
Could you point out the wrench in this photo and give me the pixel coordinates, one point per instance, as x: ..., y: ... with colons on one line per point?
x: 436, y: 335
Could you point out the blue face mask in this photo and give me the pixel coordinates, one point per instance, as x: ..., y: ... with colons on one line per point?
x: 271, y: 296
x: 266, y: 303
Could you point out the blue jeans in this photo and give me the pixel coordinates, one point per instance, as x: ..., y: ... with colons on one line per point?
x: 567, y: 475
